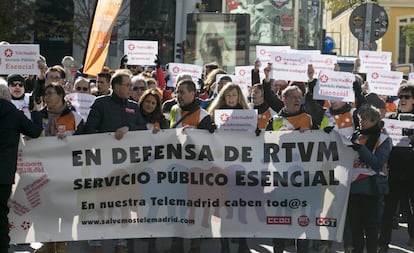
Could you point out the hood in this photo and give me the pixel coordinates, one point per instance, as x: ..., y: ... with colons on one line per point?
x: 5, y: 107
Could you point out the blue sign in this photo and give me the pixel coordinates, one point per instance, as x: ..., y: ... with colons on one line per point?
x: 328, y: 44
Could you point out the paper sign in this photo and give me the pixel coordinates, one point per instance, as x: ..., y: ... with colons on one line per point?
x: 19, y: 59
x: 243, y: 83
x: 334, y: 85
x: 246, y: 72
x: 82, y: 103
x: 293, y: 67
x: 240, y: 120
x: 411, y: 76
x: 374, y: 61
x: 394, y: 130
x: 264, y: 53
x: 141, y: 52
x: 322, y: 62
x: 175, y: 69
x: 384, y: 82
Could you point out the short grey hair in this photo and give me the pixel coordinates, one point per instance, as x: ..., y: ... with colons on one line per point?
x: 4, y: 91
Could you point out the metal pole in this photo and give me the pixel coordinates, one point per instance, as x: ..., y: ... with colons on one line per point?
x: 367, y: 33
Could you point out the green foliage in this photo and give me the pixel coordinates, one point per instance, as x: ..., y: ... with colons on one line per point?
x: 340, y: 5
x: 408, y: 32
x: 16, y: 24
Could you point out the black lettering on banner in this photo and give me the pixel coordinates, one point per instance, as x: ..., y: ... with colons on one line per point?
x: 90, y: 155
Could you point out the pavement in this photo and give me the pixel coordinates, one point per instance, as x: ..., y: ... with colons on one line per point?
x: 209, y: 245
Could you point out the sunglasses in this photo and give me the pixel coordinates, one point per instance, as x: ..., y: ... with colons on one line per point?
x: 16, y: 84
x: 82, y: 88
x: 136, y: 88
x: 404, y: 96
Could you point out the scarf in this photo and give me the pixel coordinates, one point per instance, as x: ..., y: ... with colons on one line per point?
x: 52, y: 117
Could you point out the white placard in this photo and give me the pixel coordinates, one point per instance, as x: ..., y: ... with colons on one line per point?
x: 264, y: 53
x: 174, y: 69
x: 335, y: 85
x: 394, y: 130
x: 411, y: 76
x: 243, y: 83
x: 322, y: 62
x: 293, y: 67
x: 241, y: 120
x: 374, y: 61
x: 246, y: 72
x: 384, y: 82
x: 19, y: 59
x: 82, y: 103
x: 141, y: 52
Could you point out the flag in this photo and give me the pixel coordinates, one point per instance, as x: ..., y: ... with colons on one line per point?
x: 100, y: 35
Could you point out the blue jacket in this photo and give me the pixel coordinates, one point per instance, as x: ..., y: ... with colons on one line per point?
x: 376, y: 160
x: 108, y: 113
x: 13, y: 122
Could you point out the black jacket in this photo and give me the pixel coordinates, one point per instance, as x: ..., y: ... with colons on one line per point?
x: 12, y: 124
x: 401, y: 160
x: 108, y: 113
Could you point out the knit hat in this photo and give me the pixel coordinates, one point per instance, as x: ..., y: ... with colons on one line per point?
x: 15, y: 77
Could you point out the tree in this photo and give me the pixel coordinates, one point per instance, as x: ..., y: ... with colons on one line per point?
x: 16, y: 24
x: 408, y: 32
x: 340, y: 5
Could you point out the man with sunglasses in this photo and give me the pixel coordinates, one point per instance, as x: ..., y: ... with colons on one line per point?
x: 82, y: 85
x: 139, y: 85
x: 20, y: 99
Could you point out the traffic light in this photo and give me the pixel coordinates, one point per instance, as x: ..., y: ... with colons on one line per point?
x: 179, y: 51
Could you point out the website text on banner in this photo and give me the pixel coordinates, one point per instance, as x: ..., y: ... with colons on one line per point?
x: 182, y: 183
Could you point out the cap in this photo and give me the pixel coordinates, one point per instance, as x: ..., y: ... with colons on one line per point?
x: 15, y: 77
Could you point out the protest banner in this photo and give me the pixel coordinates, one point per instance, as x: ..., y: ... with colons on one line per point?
x: 141, y: 52
x: 374, y: 61
x: 19, y: 59
x: 241, y: 120
x: 184, y: 183
x: 384, y: 82
x: 174, y: 69
x: 81, y: 102
x: 246, y: 72
x: 334, y: 85
x: 264, y: 53
x: 394, y: 130
x: 288, y: 66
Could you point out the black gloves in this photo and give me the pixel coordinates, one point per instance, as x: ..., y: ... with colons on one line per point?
x: 258, y: 131
x: 213, y: 128
x: 157, y: 60
x: 328, y: 129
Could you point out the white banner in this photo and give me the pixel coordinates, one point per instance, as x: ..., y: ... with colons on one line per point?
x: 19, y: 59
x: 240, y: 120
x: 374, y: 61
x: 185, y: 183
x: 174, y: 69
x: 384, y: 82
x: 334, y: 85
x: 264, y: 53
x: 82, y: 103
x: 141, y: 52
x: 288, y: 66
x: 246, y: 73
x: 394, y: 130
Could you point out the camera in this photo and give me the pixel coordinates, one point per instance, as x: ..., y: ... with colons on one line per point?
x: 407, y: 131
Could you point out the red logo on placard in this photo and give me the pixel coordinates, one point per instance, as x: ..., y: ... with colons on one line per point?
x: 242, y: 72
x: 323, y: 78
x: 374, y: 75
x: 279, y: 220
x: 303, y: 221
x: 131, y: 47
x: 8, y: 52
x: 224, y: 117
x: 278, y: 58
x: 176, y: 69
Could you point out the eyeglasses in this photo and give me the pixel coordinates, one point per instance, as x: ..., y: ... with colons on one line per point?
x: 16, y: 84
x: 54, y: 77
x: 136, y: 88
x: 82, y: 88
x: 49, y: 93
x: 404, y: 96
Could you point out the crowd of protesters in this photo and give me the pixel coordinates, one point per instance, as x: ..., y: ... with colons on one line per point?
x: 135, y: 98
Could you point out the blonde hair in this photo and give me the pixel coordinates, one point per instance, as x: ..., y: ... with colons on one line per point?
x: 220, y: 101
